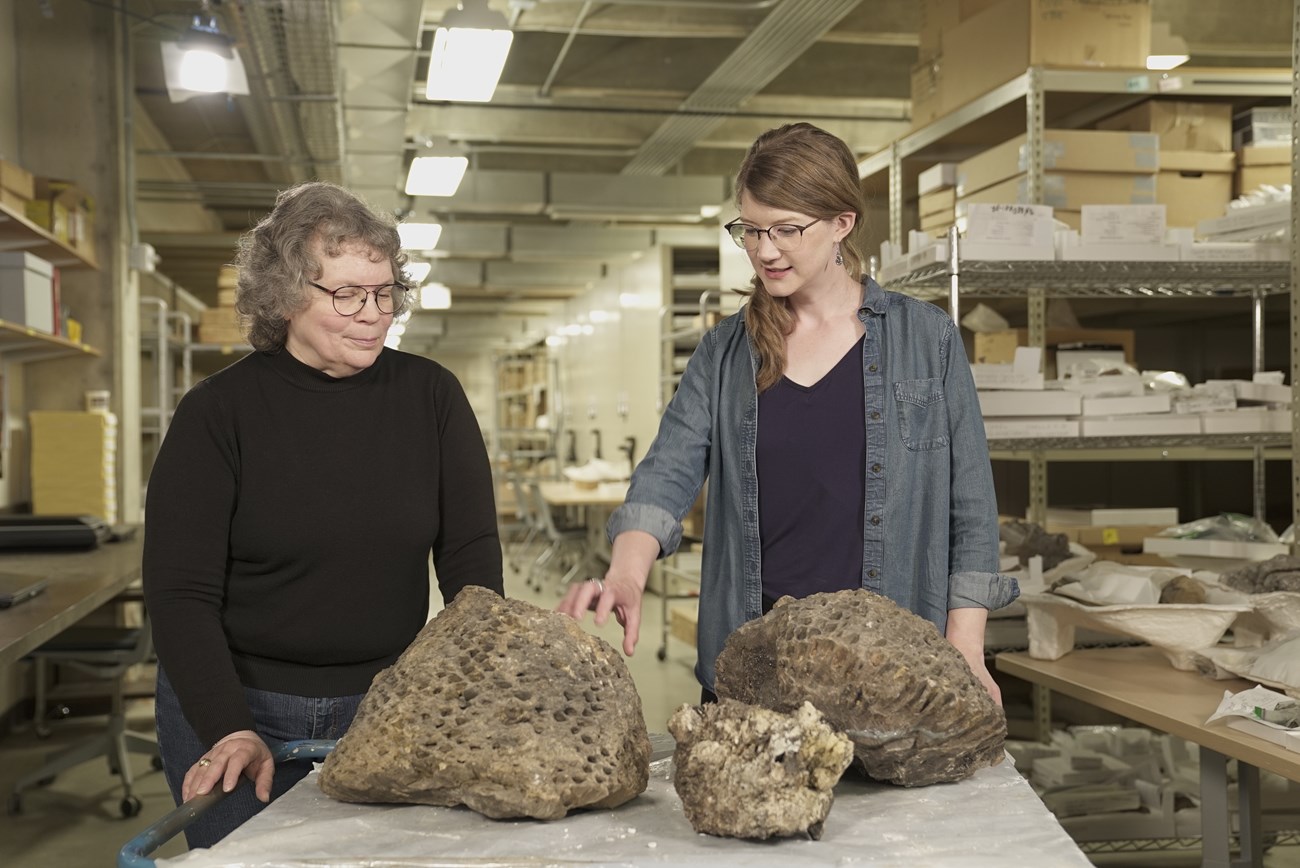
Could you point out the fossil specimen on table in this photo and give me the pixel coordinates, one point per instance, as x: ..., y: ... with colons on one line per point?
x: 1183, y: 590
x: 1278, y: 573
x: 916, y: 713
x: 1025, y: 539
x: 748, y: 772
x: 501, y: 706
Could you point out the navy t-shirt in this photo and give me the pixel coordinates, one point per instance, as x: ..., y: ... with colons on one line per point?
x: 812, y: 455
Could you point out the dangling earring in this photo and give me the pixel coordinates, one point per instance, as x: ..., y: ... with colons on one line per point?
x: 839, y: 257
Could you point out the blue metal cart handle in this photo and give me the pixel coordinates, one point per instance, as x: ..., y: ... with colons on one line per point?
x: 136, y: 852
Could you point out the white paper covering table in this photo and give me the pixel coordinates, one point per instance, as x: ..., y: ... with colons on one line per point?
x: 993, y: 819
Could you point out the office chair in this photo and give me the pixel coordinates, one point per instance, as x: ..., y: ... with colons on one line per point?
x: 560, y: 537
x: 105, y: 653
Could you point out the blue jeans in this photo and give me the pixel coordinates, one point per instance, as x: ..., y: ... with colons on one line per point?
x: 280, y: 717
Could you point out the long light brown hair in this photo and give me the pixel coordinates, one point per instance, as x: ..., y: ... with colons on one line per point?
x: 801, y: 168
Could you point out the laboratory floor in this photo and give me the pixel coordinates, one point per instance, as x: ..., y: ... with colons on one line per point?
x: 74, y: 822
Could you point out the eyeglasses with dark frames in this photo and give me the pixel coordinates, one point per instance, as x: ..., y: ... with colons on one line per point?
x: 784, y: 236
x: 350, y: 300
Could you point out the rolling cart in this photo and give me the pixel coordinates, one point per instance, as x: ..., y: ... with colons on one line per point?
x: 135, y: 854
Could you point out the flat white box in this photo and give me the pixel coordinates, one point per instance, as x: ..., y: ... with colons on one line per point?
x: 1214, y: 548
x: 1122, y: 224
x: 1236, y: 251
x: 989, y: 376
x: 1250, y: 420
x: 1052, y: 402
x: 1115, y: 386
x: 1122, y: 252
x: 1262, y: 393
x: 937, y: 177
x: 1126, y: 405
x: 27, y: 290
x: 1011, y: 252
x: 1029, y: 427
x: 1165, y: 516
x: 1131, y: 426
x: 1289, y: 739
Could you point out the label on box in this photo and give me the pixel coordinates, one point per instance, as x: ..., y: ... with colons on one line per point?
x: 1123, y: 224
x: 1021, y: 225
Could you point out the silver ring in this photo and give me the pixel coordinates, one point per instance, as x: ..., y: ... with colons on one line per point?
x: 599, y: 584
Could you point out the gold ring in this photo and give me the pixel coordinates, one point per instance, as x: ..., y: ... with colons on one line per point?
x: 205, y: 762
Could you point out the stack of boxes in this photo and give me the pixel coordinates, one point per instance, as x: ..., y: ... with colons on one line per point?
x: 937, y: 188
x: 220, y: 324
x: 969, y: 47
x: 65, y: 211
x: 74, y: 464
x: 1263, y: 141
x: 1195, y: 160
x: 1081, y: 167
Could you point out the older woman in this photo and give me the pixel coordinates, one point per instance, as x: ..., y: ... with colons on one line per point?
x: 294, y: 505
x: 837, y: 425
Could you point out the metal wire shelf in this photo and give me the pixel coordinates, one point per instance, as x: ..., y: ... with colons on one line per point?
x: 1138, y: 280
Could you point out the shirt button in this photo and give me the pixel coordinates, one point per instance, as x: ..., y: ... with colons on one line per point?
x: 875, y: 519
x: 871, y: 368
x: 871, y: 574
x: 875, y: 468
x: 875, y: 414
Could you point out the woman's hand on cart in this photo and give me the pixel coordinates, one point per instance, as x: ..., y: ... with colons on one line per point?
x: 240, y: 753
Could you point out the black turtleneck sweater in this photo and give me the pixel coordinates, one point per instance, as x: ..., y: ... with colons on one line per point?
x: 289, y: 521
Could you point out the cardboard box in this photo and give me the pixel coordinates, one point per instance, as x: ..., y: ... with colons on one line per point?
x: 937, y: 224
x: 1024, y: 427
x: 17, y: 180
x: 1063, y: 151
x: 230, y: 335
x: 1251, y: 178
x: 1053, y: 402
x: 1140, y: 426
x: 1180, y: 126
x: 1247, y: 420
x: 27, y: 290
x: 1264, y: 155
x: 940, y: 176
x: 1194, y: 185
x: 1263, y: 125
x: 64, y: 210
x: 1000, y: 347
x: 1214, y: 548
x: 1126, y: 405
x: 219, y: 316
x: 11, y: 201
x: 225, y: 297
x: 939, y: 202
x: 73, y: 468
x: 1000, y: 42
x: 1110, y: 517
x: 927, y: 91
x: 1109, y: 535
x: 1070, y: 191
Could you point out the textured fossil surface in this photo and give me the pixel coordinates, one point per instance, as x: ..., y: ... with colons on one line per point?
x: 503, y: 707
x: 905, y: 696
x: 1025, y: 539
x: 1183, y: 590
x: 1278, y: 573
x: 743, y: 771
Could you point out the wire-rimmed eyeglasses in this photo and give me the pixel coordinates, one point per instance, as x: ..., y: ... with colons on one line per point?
x: 784, y: 236
x: 349, y: 300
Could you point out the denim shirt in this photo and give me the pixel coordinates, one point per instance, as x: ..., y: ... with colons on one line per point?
x: 930, y: 535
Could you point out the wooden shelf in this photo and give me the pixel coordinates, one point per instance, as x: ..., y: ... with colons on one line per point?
x: 19, y: 343
x: 19, y: 233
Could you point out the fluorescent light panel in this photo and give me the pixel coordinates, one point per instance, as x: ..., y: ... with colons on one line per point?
x: 419, y: 236
x: 465, y: 64
x: 435, y: 296
x: 435, y: 176
x: 1166, y: 61
x: 416, y: 272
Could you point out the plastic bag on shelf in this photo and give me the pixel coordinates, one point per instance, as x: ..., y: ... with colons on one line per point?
x: 1231, y: 526
x: 1165, y: 381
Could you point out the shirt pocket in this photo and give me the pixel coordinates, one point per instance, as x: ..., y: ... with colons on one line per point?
x: 922, y: 414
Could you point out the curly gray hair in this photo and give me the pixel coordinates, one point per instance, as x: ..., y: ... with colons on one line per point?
x: 275, y: 257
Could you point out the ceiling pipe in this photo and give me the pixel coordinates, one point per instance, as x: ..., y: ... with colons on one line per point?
x: 564, y: 49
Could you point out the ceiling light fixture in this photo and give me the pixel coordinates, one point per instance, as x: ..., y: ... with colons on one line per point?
x: 417, y: 271
x: 435, y: 296
x: 203, y: 61
x: 469, y: 52
x: 437, y: 169
x: 419, y: 236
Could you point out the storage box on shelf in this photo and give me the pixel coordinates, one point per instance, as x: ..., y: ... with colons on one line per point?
x: 27, y: 291
x: 1262, y: 165
x: 17, y: 186
x: 74, y: 460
